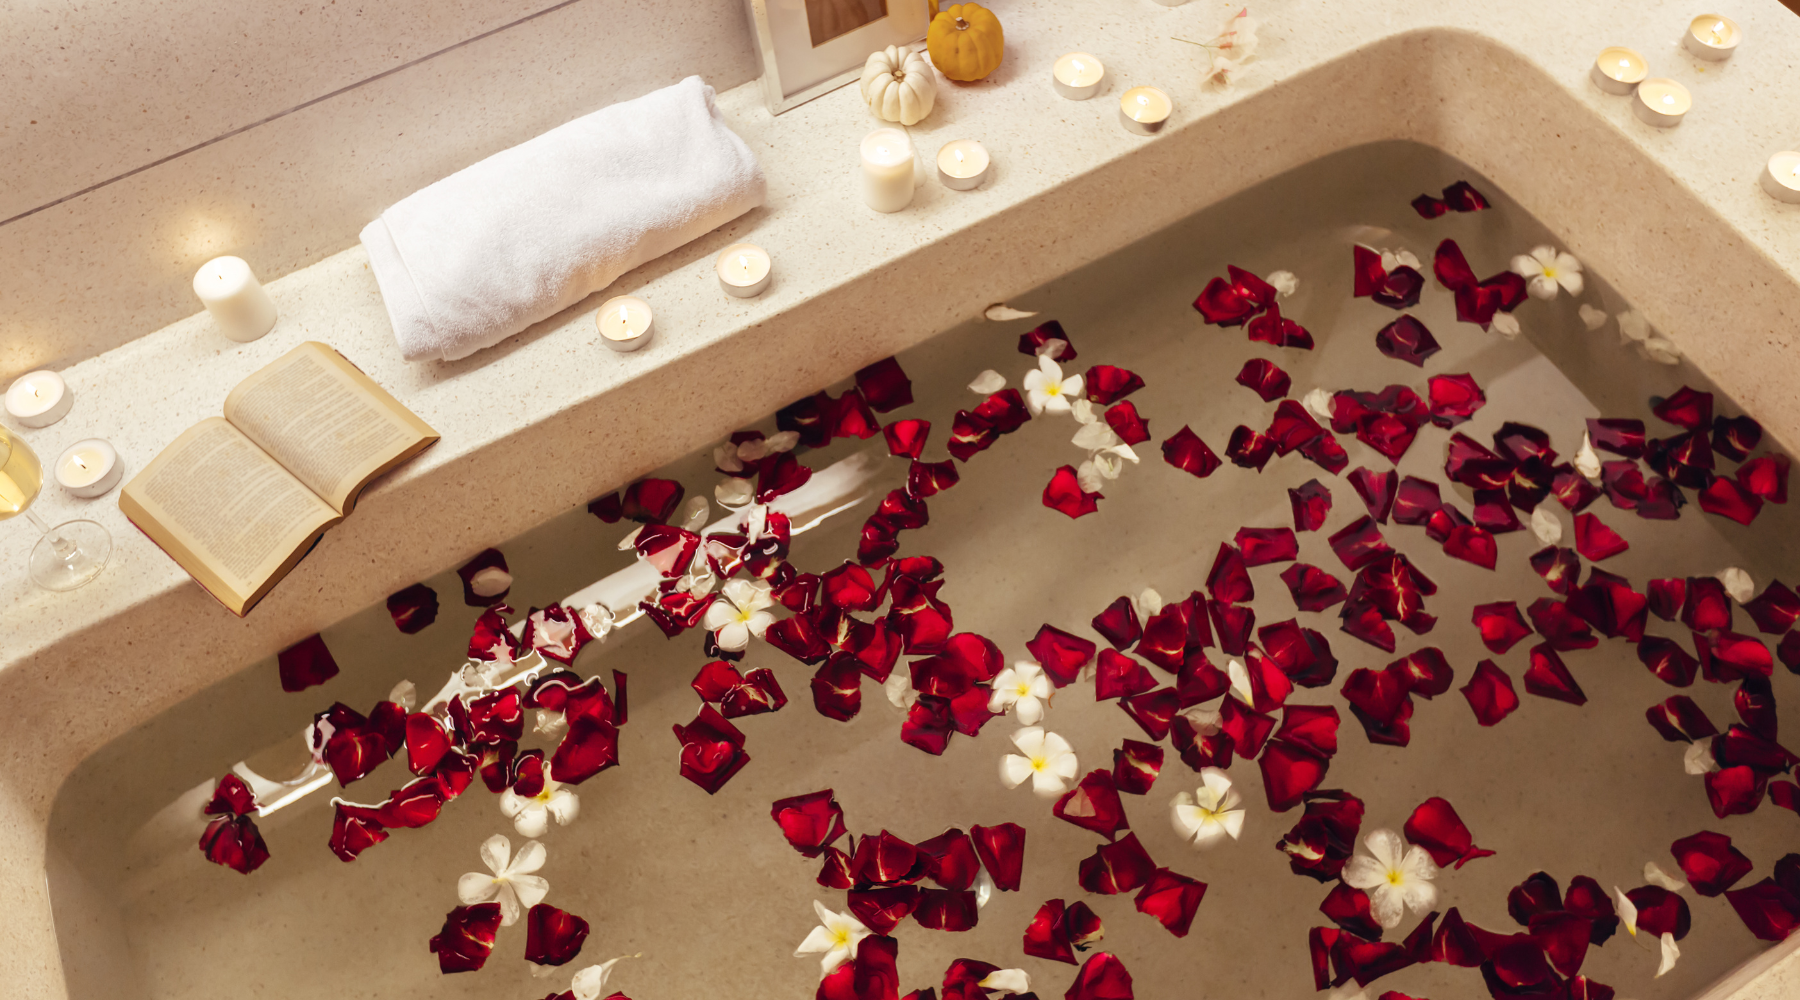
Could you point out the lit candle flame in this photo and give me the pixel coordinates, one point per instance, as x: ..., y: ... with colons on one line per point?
x: 1624, y: 64
x: 34, y: 390
x: 959, y: 156
x: 744, y: 262
x: 624, y: 316
x: 1079, y: 67
x: 77, y: 460
x: 1718, y: 32
x: 1668, y: 98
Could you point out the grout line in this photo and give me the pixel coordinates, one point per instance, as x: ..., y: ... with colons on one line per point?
x: 283, y: 114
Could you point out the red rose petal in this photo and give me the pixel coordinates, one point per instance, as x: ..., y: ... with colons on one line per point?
x: 1560, y: 568
x: 305, y: 664
x: 234, y: 842
x: 1248, y: 449
x: 1106, y: 384
x: 837, y: 687
x: 354, y: 829
x: 1289, y: 771
x: 1595, y: 541
x: 1264, y: 378
x: 1292, y: 427
x: 412, y: 609
x: 1102, y: 977
x: 1359, y: 543
x: 1472, y: 544
x: 1171, y: 898
x: 883, y: 907
x: 1046, y: 935
x: 810, y: 822
x: 1031, y: 341
x: 1765, y: 477
x: 1454, y: 398
x: 712, y: 750
x: 1501, y: 625
x: 1123, y: 418
x: 1262, y: 546
x: 1136, y: 766
x: 1117, y: 867
x: 906, y: 438
x: 467, y: 938
x: 1093, y: 804
x: 1726, y: 498
x: 1187, y: 452
x: 1775, y: 610
x: 1490, y: 693
x: 1152, y: 711
x: 1233, y: 624
x: 608, y: 508
x: 1709, y: 861
x: 1559, y: 625
x: 1362, y: 619
x: 1302, y: 653
x: 1229, y: 579
x: 1120, y: 676
x: 1735, y: 790
x: 1119, y: 623
x: 1547, y: 677
x: 1435, y: 826
x: 1002, y: 852
x: 1679, y: 719
x: 1325, y: 452
x: 1061, y: 654
x: 1377, y: 490
x: 1311, y: 502
x: 1247, y: 727
x: 1277, y: 331
x: 1770, y: 910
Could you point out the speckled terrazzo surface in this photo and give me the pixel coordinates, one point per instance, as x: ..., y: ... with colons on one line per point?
x: 548, y: 419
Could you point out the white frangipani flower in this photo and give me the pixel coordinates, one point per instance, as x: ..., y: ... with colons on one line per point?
x: 1210, y: 813
x: 1545, y: 525
x: 531, y: 816
x: 988, y: 383
x: 1024, y: 687
x: 1737, y: 583
x: 1587, y: 462
x: 1591, y: 317
x: 1006, y: 981
x: 1045, y: 758
x: 835, y: 938
x: 1654, y: 875
x: 1546, y: 269
x: 1396, y: 877
x: 1506, y: 325
x: 1047, y: 391
x: 1284, y: 283
x: 509, y: 882
x: 740, y: 613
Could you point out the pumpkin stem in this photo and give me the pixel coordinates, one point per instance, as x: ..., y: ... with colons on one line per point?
x: 961, y: 25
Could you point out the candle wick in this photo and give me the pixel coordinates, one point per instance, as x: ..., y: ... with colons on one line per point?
x: 624, y: 317
x: 79, y: 462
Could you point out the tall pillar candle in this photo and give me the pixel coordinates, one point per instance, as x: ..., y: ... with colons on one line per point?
x: 235, y: 298
x: 887, y: 170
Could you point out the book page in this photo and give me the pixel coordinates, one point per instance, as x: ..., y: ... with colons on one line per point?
x: 225, y: 511
x: 325, y: 422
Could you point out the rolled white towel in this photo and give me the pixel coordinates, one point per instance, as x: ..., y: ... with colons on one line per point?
x: 486, y: 252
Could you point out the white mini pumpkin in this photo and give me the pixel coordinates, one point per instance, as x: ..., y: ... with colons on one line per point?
x: 899, y: 85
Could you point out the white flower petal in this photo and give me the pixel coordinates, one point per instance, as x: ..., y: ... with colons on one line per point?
x: 1545, y: 525
x: 1364, y: 872
x: 718, y: 615
x: 1014, y: 769
x: 1698, y: 759
x: 1000, y: 312
x: 1737, y: 583
x: 1087, y: 476
x: 507, y: 895
x: 988, y: 382
x: 1318, y: 403
x: 1148, y: 602
x: 899, y: 689
x: 1670, y: 953
x: 495, y: 852
x: 1387, y: 847
x: 1387, y: 905
x: 1586, y: 461
x: 733, y: 636
x: 1592, y: 318
x: 531, y: 889
x: 530, y: 858
x: 532, y: 821
x: 1654, y: 875
x: 1048, y: 785
x: 1419, y: 897
x: 1031, y: 710
x: 1506, y: 325
x: 1006, y: 981
x: 1627, y: 911
x: 475, y: 887
x: 1284, y: 282
x: 1233, y: 820
x: 1526, y: 267
x: 563, y: 806
x: 1029, y: 740
x: 1541, y: 287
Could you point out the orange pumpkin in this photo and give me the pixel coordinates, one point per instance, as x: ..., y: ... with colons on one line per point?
x: 965, y: 42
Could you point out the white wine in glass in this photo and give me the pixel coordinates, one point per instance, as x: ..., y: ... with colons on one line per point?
x: 70, y: 554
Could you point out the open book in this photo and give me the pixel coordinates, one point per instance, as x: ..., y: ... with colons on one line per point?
x: 239, y: 500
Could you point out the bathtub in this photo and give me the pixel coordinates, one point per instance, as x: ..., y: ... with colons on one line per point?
x: 115, y: 898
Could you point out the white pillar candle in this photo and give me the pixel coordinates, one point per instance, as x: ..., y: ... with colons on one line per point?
x: 1144, y: 110
x: 1662, y: 102
x: 89, y: 468
x: 963, y: 164
x: 744, y: 270
x: 624, y: 323
x: 1781, y: 177
x: 1078, y: 76
x: 39, y: 399
x: 887, y: 170
x: 1619, y: 70
x: 1712, y: 37
x: 234, y: 297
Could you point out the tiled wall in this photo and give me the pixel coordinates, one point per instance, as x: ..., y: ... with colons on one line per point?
x: 139, y: 138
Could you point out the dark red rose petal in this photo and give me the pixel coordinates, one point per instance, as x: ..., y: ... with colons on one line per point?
x: 1302, y: 653
x: 1359, y: 543
x: 1119, y: 623
x: 484, y: 561
x: 906, y: 438
x: 1117, y: 867
x: 1325, y: 452
x: 1106, y: 385
x: 1501, y: 625
x: 1735, y: 790
x: 1775, y: 609
x: 1377, y: 490
x: 1311, y: 502
x: 1277, y: 331
x: 885, y: 385
x: 1064, y: 493
x: 1171, y: 898
x: 1687, y: 408
x: 1728, y: 499
x: 608, y: 508
x: 1660, y: 911
x: 1292, y: 427
x: 412, y: 609
x: 1559, y: 625
x: 1490, y: 693
x: 1248, y: 449
x: 712, y: 750
x: 306, y: 663
x: 1765, y: 477
x: 231, y: 797
x: 1770, y: 910
x: 1289, y: 771
x: 1102, y: 977
x: 1547, y: 677
x: 1472, y: 544
x: 1435, y: 826
x: 553, y: 936
x: 1406, y: 339
x: 1263, y: 378
x: 651, y: 501
x: 1679, y: 719
x: 1031, y: 341
x: 354, y: 829
x: 1123, y: 418
x: 1262, y: 546
x: 1152, y: 711
x: 1229, y: 579
x: 1061, y: 654
x: 1462, y: 197
x: 837, y: 688
x: 1233, y: 624
x: 1046, y: 936
x: 1136, y: 766
x: 467, y: 938
x: 1093, y: 804
x: 234, y: 842
x: 1002, y: 851
x: 1120, y: 676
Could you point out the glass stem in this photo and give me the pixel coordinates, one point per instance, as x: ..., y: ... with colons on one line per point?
x: 64, y: 548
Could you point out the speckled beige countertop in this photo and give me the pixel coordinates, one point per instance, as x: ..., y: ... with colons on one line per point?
x: 547, y: 420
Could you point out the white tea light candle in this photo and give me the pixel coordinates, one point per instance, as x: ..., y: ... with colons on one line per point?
x: 624, y: 323
x: 1662, y: 102
x: 1712, y: 37
x: 1144, y: 110
x: 963, y: 164
x: 1619, y: 70
x: 89, y: 468
x: 1078, y: 76
x: 887, y: 170
x: 238, y: 304
x: 38, y: 399
x: 1781, y: 177
x: 744, y: 270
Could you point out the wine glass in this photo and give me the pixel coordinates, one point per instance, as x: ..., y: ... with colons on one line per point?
x: 70, y: 554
